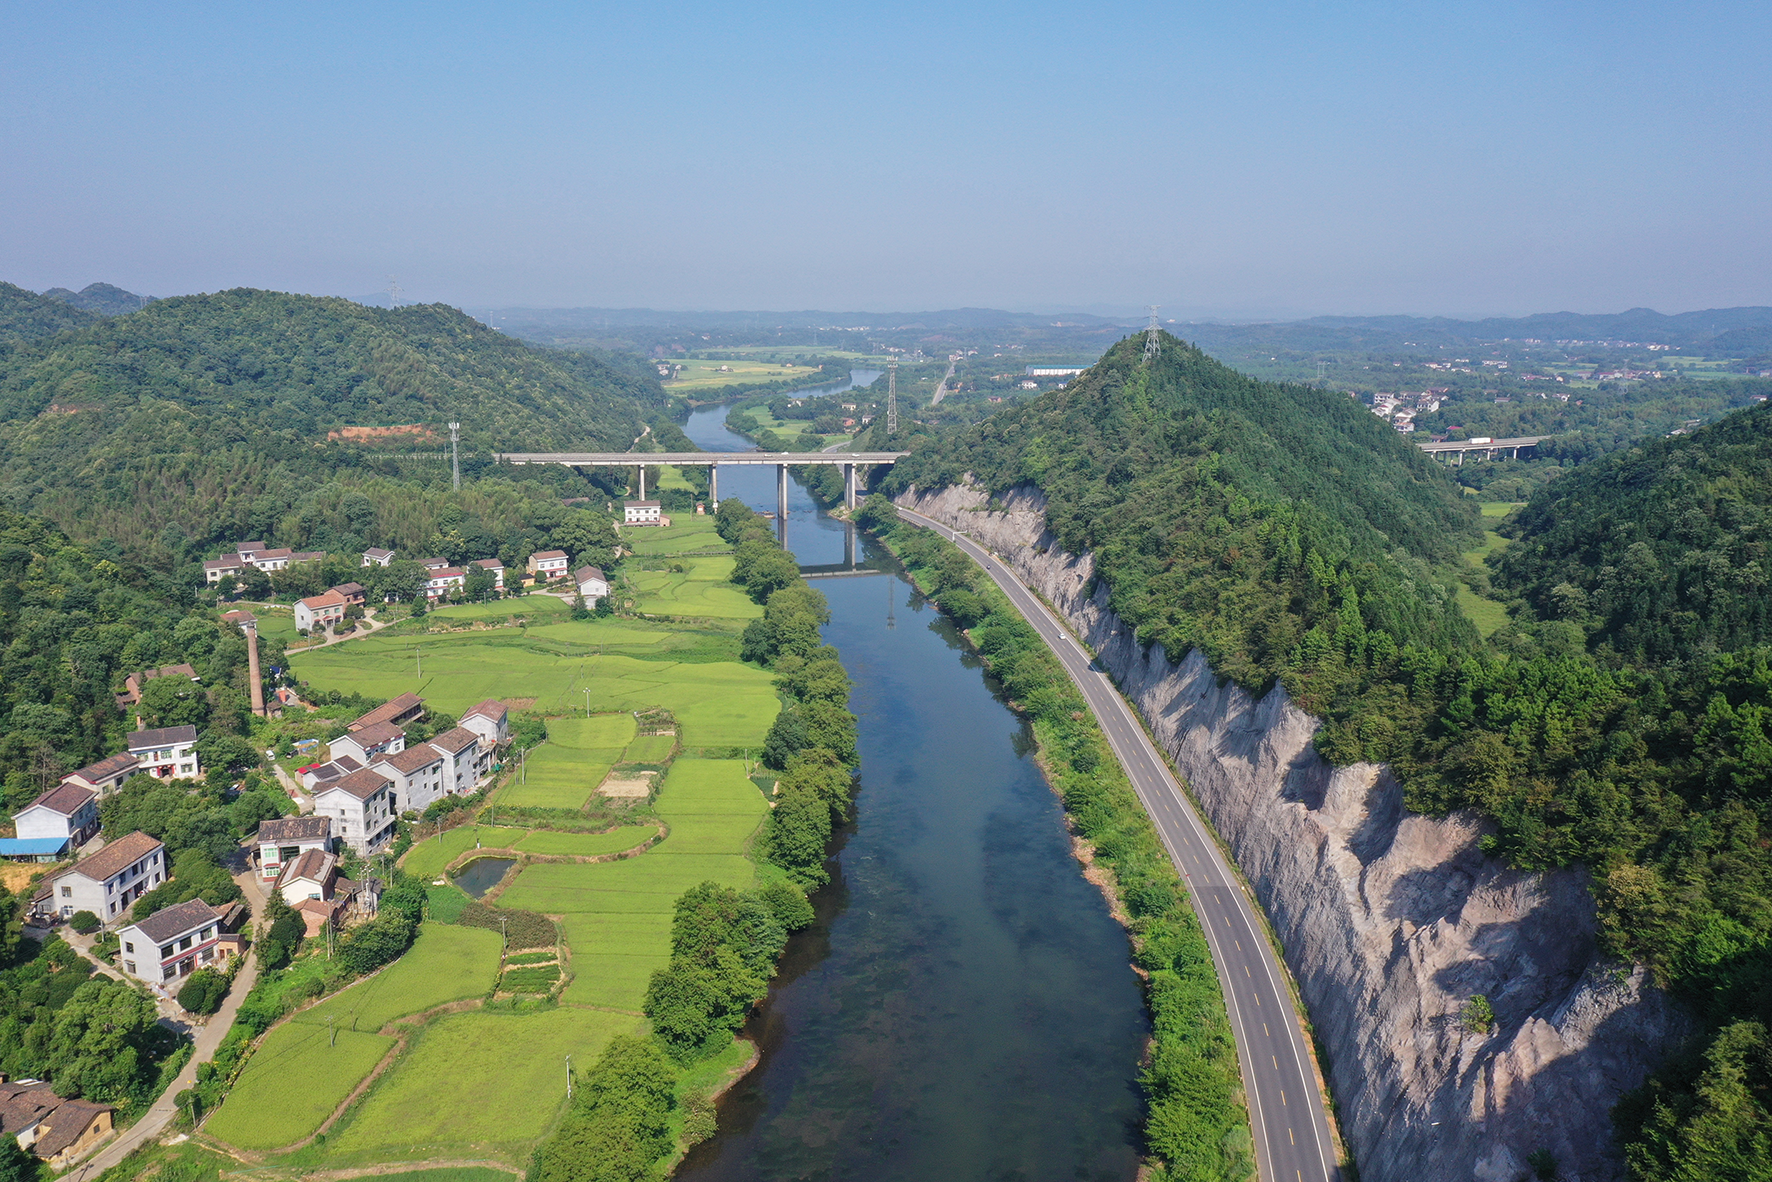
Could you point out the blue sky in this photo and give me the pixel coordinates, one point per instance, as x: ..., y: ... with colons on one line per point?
x: 1231, y: 160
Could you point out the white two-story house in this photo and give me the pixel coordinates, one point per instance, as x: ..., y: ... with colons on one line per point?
x: 417, y: 773
x: 491, y: 720
x: 172, y: 943
x: 107, y: 775
x: 464, y: 763
x: 108, y: 882
x: 548, y: 565
x: 67, y: 811
x: 170, y: 752
x: 362, y: 809
x: 378, y: 738
x: 284, y: 839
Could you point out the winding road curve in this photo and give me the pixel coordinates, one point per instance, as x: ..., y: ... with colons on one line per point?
x: 1286, y: 1108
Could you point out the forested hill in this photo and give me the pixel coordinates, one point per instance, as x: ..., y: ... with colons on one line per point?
x: 1285, y: 531
x: 27, y: 316
x: 1660, y: 552
x: 1621, y: 721
x: 183, y: 413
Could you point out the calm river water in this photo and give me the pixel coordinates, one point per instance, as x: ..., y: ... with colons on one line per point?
x: 963, y: 1009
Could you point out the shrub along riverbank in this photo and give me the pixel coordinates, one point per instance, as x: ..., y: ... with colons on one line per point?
x: 1195, y: 1125
x: 633, y: 1106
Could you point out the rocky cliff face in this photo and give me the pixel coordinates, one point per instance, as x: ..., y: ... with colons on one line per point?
x: 1390, y: 921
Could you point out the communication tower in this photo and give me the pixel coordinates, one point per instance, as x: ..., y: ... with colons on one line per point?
x: 1150, y: 334
x: 892, y: 397
x: 455, y: 453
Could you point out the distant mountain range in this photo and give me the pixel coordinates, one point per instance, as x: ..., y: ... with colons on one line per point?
x: 101, y: 298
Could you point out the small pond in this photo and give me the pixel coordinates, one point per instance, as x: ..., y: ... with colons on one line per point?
x: 482, y: 874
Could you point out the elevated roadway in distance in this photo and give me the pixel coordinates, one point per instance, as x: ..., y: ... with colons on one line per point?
x: 1287, y: 1113
x: 850, y: 461
x: 1489, y: 447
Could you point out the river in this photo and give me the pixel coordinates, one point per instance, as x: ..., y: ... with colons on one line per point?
x: 963, y: 1008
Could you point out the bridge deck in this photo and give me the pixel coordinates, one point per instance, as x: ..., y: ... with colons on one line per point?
x: 614, y: 459
x: 1492, y: 445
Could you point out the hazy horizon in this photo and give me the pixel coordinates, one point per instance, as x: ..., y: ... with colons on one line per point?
x: 1266, y: 163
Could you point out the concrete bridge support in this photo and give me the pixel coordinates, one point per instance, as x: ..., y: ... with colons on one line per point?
x: 849, y: 485
x: 641, y: 468
x: 713, y: 487
x: 781, y: 491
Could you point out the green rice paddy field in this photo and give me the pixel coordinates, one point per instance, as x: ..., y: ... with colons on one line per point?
x: 487, y: 1083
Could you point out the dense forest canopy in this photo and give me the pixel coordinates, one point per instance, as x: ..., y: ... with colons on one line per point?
x: 27, y: 316
x: 1662, y: 551
x: 1285, y: 531
x: 1622, y: 720
x: 206, y: 419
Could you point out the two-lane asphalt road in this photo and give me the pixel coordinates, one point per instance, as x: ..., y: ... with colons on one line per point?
x: 1286, y: 1111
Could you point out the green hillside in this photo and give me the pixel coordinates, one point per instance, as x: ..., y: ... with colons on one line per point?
x: 1286, y: 532
x: 1621, y: 720
x: 208, y: 417
x: 1661, y: 552
x: 27, y: 316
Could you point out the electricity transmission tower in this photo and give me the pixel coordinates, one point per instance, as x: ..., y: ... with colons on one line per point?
x: 1150, y: 335
x: 892, y: 397
x: 455, y: 453
x: 393, y: 292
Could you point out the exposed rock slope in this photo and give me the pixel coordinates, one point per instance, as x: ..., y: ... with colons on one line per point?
x: 1390, y: 921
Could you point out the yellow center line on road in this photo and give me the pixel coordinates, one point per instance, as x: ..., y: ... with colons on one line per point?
x: 1290, y: 1137
x: 1282, y: 1097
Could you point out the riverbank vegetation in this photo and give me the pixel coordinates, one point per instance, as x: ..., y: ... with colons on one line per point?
x: 1195, y: 1125
x: 1616, y: 720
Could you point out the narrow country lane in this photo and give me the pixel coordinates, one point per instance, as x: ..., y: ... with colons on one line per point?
x: 1286, y: 1109
x: 155, y: 1120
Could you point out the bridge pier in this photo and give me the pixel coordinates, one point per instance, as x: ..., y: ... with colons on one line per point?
x: 713, y: 487
x: 849, y: 492
x: 781, y: 491
x: 641, y: 468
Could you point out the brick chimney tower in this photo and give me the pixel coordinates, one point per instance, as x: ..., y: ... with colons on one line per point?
x: 252, y: 674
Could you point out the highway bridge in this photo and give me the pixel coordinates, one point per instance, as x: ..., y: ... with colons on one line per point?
x: 851, y: 462
x: 1287, y: 1113
x: 1491, y: 448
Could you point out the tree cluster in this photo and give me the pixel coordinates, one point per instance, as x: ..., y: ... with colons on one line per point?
x: 724, y: 946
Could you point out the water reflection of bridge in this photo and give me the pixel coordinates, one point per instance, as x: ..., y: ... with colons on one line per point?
x: 847, y: 569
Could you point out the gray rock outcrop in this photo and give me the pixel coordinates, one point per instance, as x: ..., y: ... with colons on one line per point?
x: 1390, y: 921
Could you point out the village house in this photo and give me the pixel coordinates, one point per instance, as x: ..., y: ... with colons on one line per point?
x: 52, y: 1129
x: 548, y: 565
x: 132, y: 685
x: 312, y: 886
x: 33, y: 849
x: 107, y: 882
x: 316, y: 613
x: 240, y: 619
x: 282, y: 840
x: 172, y: 943
x: 417, y: 773
x: 319, y: 775
x: 464, y: 763
x: 107, y: 775
x: 301, y: 556
x: 219, y: 568
x: 592, y: 584
x: 443, y: 580
x: 400, y: 710
x: 491, y: 564
x: 363, y: 745
x: 490, y: 720
x: 166, y: 752
x: 376, y: 557
x: 67, y: 811
x: 644, y: 513
x: 432, y: 563
x: 270, y: 560
x: 361, y: 808
x: 355, y: 595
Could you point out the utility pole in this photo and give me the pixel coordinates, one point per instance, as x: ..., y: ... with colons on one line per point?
x: 1150, y: 334
x: 569, y: 1077
x: 587, y: 701
x: 419, y: 657
x: 892, y: 397
x: 455, y: 453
